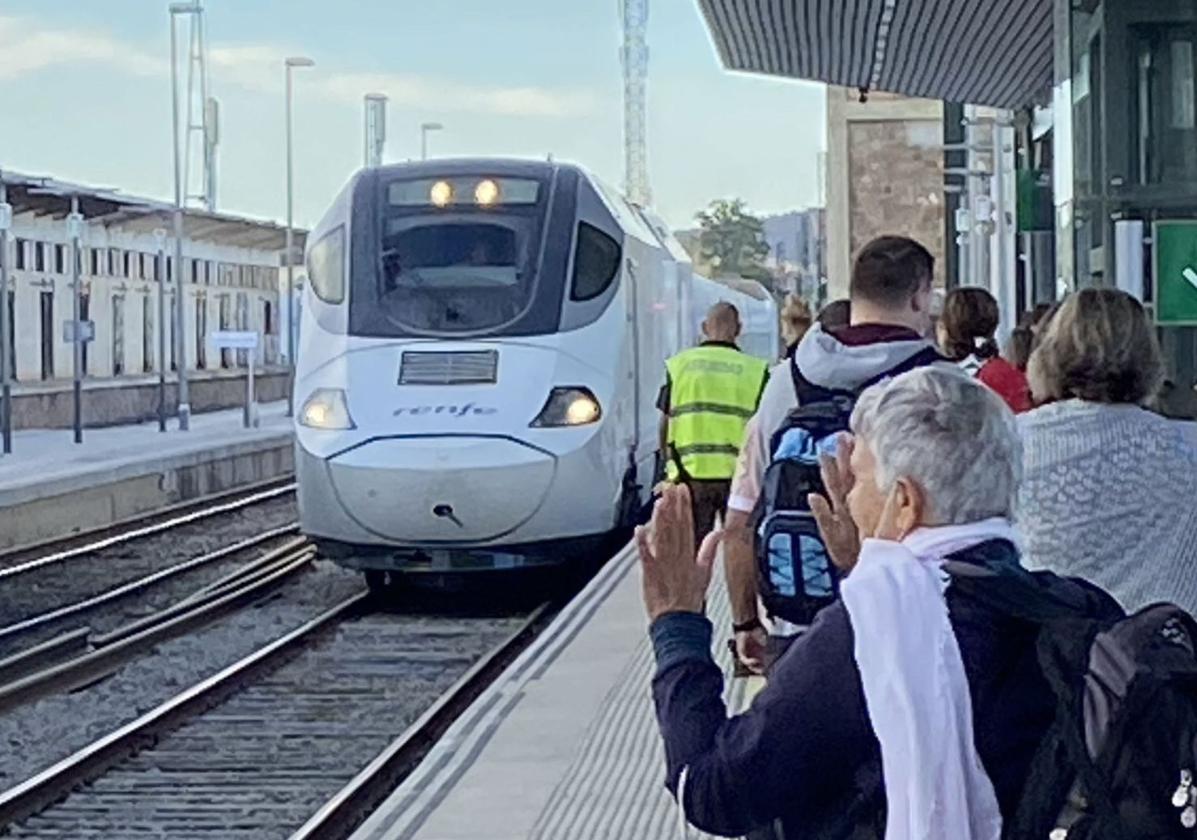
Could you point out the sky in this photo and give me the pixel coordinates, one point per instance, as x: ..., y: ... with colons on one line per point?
x: 85, y: 96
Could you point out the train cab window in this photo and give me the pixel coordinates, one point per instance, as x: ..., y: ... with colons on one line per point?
x: 596, y: 262
x: 326, y: 267
x: 456, y: 276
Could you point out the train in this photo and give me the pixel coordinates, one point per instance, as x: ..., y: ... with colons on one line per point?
x: 481, y: 345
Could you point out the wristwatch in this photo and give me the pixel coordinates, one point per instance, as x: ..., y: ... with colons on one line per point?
x: 748, y: 626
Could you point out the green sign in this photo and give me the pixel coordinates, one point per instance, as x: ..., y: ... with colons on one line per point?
x: 1036, y: 211
x: 1175, y: 272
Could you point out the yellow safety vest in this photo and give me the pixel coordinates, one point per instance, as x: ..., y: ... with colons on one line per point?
x: 713, y: 390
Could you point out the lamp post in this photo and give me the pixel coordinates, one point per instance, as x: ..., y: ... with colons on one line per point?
x: 160, y: 276
x: 180, y: 346
x: 75, y: 229
x: 6, y: 361
x: 424, y: 129
x: 291, y: 64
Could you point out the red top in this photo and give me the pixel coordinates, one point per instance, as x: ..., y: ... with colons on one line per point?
x: 1009, y: 382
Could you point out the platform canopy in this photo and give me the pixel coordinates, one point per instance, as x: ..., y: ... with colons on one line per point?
x: 979, y: 52
x: 37, y: 196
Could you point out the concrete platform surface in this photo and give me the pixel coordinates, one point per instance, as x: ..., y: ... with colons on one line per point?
x: 565, y: 743
x: 51, y: 486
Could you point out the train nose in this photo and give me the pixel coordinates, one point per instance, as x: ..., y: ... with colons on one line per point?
x: 442, y: 489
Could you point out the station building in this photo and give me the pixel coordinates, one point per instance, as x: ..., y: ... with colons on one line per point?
x: 1089, y: 110
x: 231, y: 277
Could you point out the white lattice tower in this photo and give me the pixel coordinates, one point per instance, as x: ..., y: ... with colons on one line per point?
x: 199, y: 160
x: 634, y: 57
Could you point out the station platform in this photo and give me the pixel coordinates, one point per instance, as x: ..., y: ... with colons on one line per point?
x: 565, y: 743
x: 51, y: 487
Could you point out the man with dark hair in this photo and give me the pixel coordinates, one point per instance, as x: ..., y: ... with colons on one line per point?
x: 892, y: 271
x: 890, y: 318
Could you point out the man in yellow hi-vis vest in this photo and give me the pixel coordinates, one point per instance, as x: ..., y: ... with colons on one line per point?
x: 710, y: 392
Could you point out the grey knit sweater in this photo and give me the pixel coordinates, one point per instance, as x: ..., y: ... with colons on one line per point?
x: 1110, y: 494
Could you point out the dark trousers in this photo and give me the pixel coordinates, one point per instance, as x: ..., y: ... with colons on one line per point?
x: 709, y: 499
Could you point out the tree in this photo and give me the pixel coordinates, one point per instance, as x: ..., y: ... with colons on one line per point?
x: 733, y: 240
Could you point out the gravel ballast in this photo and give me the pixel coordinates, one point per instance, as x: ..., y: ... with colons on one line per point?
x: 35, y: 736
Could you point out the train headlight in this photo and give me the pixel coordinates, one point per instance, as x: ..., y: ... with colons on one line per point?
x: 569, y: 407
x: 326, y: 409
x: 486, y: 193
x: 441, y: 193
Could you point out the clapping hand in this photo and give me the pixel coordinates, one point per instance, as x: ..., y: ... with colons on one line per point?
x: 675, y: 577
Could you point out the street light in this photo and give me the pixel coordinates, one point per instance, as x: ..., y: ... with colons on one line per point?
x: 180, y: 347
x: 424, y: 129
x: 290, y: 64
x: 160, y: 276
x: 6, y: 362
x: 75, y: 231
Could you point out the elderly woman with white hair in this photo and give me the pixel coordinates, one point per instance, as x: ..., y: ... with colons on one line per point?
x: 906, y: 679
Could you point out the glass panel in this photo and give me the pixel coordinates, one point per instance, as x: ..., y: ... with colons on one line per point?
x: 147, y: 334
x: 326, y: 267
x: 1163, y: 104
x: 201, y: 332
x: 118, y: 336
x: 481, y: 191
x: 596, y: 263
x: 457, y: 276
x: 47, y: 324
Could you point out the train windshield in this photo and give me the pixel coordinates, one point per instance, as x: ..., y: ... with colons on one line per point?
x: 458, y: 255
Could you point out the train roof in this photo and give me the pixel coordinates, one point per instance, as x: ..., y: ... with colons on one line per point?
x: 510, y: 167
x: 743, y: 284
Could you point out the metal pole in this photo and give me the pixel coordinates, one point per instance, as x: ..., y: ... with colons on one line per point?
x: 249, y: 392
x: 423, y: 142
x: 77, y: 290
x: 290, y: 266
x: 6, y: 364
x: 160, y: 235
x: 180, y: 346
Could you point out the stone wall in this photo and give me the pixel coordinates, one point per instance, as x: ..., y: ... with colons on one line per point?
x: 884, y: 175
x: 896, y: 180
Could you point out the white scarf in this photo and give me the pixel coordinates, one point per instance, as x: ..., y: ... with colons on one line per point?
x: 915, y: 686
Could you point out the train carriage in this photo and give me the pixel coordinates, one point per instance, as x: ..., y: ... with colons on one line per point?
x: 480, y: 350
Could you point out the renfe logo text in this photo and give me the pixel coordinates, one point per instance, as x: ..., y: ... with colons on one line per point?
x: 446, y: 410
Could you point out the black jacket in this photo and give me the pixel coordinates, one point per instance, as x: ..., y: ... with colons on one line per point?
x: 805, y: 752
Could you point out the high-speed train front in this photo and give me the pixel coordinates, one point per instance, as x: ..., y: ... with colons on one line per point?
x: 465, y: 378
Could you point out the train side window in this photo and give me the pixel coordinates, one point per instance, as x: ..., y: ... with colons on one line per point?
x: 326, y: 267
x: 596, y: 262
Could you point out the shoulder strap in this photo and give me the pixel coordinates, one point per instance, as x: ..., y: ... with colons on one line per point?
x: 927, y: 356
x: 1021, y: 594
x: 808, y: 392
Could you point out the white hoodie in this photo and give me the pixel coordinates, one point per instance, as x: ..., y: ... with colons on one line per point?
x: 825, y: 361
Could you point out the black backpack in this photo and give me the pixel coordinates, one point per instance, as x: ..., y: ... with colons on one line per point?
x: 1120, y: 759
x: 795, y: 576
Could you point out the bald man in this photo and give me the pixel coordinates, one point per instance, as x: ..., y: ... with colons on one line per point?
x: 710, y: 391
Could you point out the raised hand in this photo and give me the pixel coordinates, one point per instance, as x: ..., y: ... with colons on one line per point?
x: 831, y: 512
x: 675, y: 577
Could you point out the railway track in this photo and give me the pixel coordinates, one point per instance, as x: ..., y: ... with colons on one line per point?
x: 140, y: 596
x: 85, y: 653
x: 298, y: 739
x: 153, y: 560
x: 19, y: 560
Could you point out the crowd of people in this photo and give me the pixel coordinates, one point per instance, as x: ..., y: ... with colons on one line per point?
x: 932, y: 546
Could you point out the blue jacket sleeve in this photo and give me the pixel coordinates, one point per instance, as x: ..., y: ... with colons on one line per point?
x: 793, y: 753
